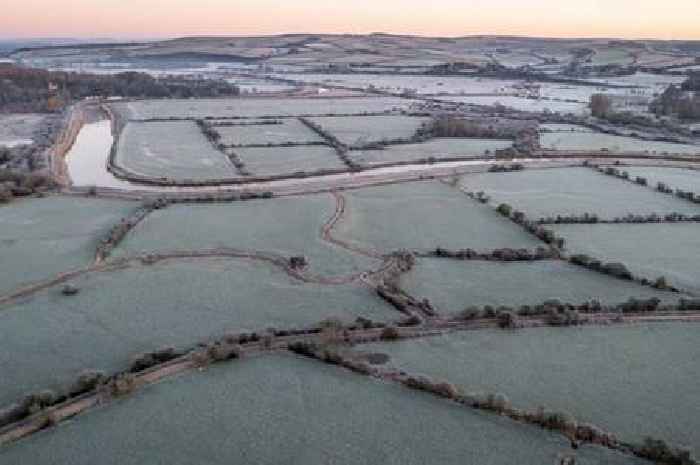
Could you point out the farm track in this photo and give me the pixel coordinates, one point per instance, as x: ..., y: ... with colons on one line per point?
x: 327, y: 229
x: 276, y: 260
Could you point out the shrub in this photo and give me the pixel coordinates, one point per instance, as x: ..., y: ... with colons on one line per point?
x: 122, y: 384
x: 618, y: 270
x: 507, y: 320
x: 220, y: 352
x: 504, y: 209
x: 87, y: 381
x: 659, y: 451
x: 149, y: 359
x: 470, y: 313
x: 69, y: 290
x: 298, y: 262
x: 390, y: 333
x: 661, y: 283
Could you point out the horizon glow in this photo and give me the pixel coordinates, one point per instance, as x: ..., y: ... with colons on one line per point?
x: 672, y: 19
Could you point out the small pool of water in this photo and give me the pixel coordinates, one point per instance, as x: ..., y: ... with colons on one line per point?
x: 87, y: 159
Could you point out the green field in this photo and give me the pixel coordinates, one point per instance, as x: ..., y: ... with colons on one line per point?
x: 453, y: 285
x: 358, y: 130
x: 256, y: 107
x: 562, y: 137
x: 648, y: 250
x: 424, y: 215
x: 434, y: 148
x: 281, y: 409
x: 40, y: 238
x: 270, y: 161
x: 565, y: 191
x: 287, y: 226
x: 174, y: 149
x: 632, y: 380
x: 47, y: 340
x: 290, y: 130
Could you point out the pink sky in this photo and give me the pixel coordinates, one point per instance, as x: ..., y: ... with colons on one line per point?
x: 670, y: 19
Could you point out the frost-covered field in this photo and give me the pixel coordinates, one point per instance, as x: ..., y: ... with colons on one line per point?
x: 173, y: 149
x: 282, y: 408
x: 40, y: 238
x: 612, y: 56
x: 567, y: 191
x: 635, y: 380
x: 118, y: 314
x: 566, y: 137
x: 270, y: 161
x: 286, y: 227
x: 435, y: 148
x: 358, y: 130
x: 648, y: 250
x: 522, y: 104
x: 453, y: 285
x: 289, y: 130
x: 423, y: 216
x: 650, y: 83
x: 254, y: 86
x: 420, y: 84
x: 18, y: 128
x: 675, y: 178
x: 256, y: 107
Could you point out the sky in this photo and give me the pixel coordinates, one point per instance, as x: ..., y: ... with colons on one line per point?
x: 668, y: 19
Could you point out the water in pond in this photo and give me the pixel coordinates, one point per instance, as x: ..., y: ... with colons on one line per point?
x: 87, y: 159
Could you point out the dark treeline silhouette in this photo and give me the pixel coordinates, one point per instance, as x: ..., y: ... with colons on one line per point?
x: 680, y: 100
x: 25, y: 90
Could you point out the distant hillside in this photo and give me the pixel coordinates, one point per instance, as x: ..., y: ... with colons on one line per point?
x: 384, y: 50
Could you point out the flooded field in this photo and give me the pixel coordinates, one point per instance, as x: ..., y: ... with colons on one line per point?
x: 304, y: 412
x: 566, y: 191
x: 634, y: 380
x: 118, y: 314
x: 453, y: 285
x: 40, y: 238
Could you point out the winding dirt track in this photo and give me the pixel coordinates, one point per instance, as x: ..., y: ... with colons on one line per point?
x: 327, y: 229
x: 278, y: 260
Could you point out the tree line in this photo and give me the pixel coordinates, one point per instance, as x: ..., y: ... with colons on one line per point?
x: 29, y: 90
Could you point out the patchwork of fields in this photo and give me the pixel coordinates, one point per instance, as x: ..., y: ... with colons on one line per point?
x: 559, y: 287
